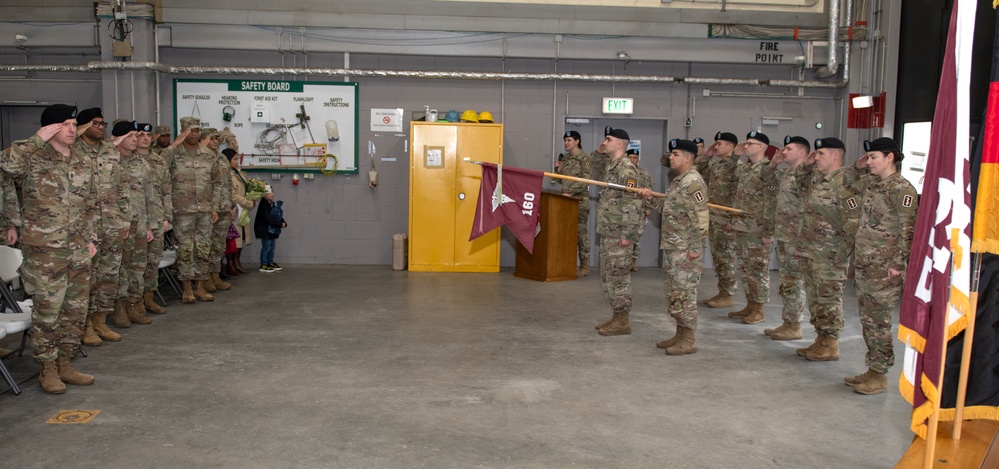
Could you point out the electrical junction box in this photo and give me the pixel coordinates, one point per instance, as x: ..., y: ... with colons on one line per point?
x: 260, y: 113
x: 121, y: 49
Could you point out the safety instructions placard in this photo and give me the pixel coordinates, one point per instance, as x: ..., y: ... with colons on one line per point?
x: 278, y: 124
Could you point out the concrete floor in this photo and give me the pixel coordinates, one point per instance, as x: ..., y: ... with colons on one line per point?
x: 358, y: 366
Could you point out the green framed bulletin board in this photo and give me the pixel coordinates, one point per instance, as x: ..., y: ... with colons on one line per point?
x: 280, y: 126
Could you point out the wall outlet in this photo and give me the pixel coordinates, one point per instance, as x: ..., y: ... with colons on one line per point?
x: 275, y: 175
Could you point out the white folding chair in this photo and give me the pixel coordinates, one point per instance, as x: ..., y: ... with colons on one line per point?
x: 169, y: 259
x: 10, y: 262
x: 12, y: 324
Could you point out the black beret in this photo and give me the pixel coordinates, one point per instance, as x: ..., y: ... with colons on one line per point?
x: 883, y: 144
x: 799, y: 140
x: 728, y: 137
x: 123, y: 128
x: 619, y: 133
x: 685, y: 145
x: 759, y: 137
x: 57, y: 114
x: 144, y: 127
x: 631, y: 151
x: 229, y: 153
x: 829, y: 142
x: 573, y: 134
x: 88, y: 115
x: 698, y: 140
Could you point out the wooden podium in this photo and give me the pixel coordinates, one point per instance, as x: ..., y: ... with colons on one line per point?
x: 554, y: 257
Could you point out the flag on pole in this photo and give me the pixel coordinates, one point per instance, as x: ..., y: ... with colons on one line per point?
x: 985, y: 237
x: 512, y: 197
x: 936, y: 297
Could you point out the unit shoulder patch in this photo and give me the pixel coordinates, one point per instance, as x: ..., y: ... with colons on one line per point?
x: 698, y: 196
x: 907, y: 201
x: 631, y: 183
x: 851, y: 202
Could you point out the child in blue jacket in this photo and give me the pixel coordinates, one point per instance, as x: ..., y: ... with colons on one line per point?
x: 267, y: 227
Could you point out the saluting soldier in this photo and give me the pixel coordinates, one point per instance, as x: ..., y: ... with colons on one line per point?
x: 700, y: 162
x: 159, y: 179
x: 220, y: 176
x: 577, y: 164
x: 721, y: 179
x: 884, y: 239
x: 161, y: 138
x: 684, y: 236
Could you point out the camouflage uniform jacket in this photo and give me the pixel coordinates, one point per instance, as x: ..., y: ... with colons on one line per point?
x: 685, y: 213
x: 192, y: 183
x: 721, y: 178
x: 700, y: 162
x: 887, y: 220
x: 59, y: 208
x: 787, y: 209
x: 112, y: 192
x: 753, y: 197
x: 619, y: 212
x: 160, y: 177
x: 599, y: 162
x: 830, y: 211
x: 220, y: 177
x: 579, y: 165
x: 10, y: 211
x: 147, y: 208
x: 644, y: 180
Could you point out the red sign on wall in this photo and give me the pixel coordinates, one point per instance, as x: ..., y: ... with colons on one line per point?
x: 868, y: 117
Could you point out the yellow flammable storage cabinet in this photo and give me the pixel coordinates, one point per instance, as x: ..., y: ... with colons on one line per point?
x: 443, y: 191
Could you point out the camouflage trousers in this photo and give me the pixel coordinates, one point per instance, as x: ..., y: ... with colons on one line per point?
x: 637, y: 245
x: 824, y: 284
x: 681, y: 277
x: 58, y: 281
x: 106, y: 269
x: 615, y: 273
x: 877, y: 296
x: 219, y: 230
x: 754, y: 265
x: 154, y: 254
x: 723, y: 248
x: 582, y: 235
x: 133, y: 265
x: 194, y: 232
x: 792, y: 282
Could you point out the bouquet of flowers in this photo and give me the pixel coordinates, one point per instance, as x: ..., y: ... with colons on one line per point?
x: 255, y: 189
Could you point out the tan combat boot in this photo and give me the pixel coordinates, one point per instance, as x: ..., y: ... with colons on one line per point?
x: 634, y: 265
x: 136, y: 314
x: 855, y: 380
x: 149, y: 300
x: 101, y: 328
x: 218, y: 283
x: 208, y: 285
x: 49, y: 379
x: 188, y: 295
x: 90, y: 339
x: 720, y: 300
x: 755, y: 313
x: 199, y: 291
x: 619, y: 326
x: 790, y: 331
x: 69, y: 375
x: 742, y: 312
x: 584, y: 267
x: 664, y: 344
x: 827, y: 351
x: 876, y: 384
x: 804, y: 350
x: 601, y: 325
x: 120, y: 318
x: 686, y: 345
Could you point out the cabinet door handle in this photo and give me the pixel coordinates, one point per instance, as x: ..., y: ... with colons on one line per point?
x: 461, y: 196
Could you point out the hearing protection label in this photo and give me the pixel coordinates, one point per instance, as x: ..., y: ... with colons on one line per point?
x: 278, y: 124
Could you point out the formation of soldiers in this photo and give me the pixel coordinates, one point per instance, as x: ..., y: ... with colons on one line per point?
x: 91, y: 217
x: 802, y: 202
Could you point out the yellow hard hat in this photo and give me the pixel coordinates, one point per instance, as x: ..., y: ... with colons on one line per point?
x: 469, y: 116
x: 485, y: 117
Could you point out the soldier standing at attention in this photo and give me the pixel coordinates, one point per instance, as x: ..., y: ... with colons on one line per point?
x: 194, y: 194
x: 787, y: 223
x: 684, y: 236
x: 220, y: 176
x: 884, y: 238
x: 146, y: 213
x: 618, y: 217
x: 115, y: 211
x: 754, y: 227
x: 644, y: 181
x: 829, y: 223
x: 575, y: 163
x: 720, y: 177
x: 159, y: 180
x: 59, y: 212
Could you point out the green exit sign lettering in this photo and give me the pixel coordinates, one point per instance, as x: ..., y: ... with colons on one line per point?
x: 618, y: 106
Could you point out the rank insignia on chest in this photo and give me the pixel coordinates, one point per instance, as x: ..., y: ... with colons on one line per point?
x: 698, y: 196
x: 851, y: 202
x: 632, y: 183
x: 907, y: 201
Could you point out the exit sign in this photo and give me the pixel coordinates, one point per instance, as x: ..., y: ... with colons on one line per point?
x: 618, y: 106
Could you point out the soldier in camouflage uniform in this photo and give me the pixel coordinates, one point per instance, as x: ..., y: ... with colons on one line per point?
x: 755, y: 226
x: 787, y: 224
x: 10, y: 212
x: 161, y: 138
x: 644, y: 182
x: 159, y: 179
x: 194, y: 191
x: 59, y: 213
x: 884, y: 239
x: 720, y: 177
x: 684, y: 236
x: 829, y: 222
x: 600, y: 158
x: 619, y: 214
x: 575, y: 163
x: 220, y: 172
x: 112, y: 228
x: 700, y: 162
x: 146, y: 213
